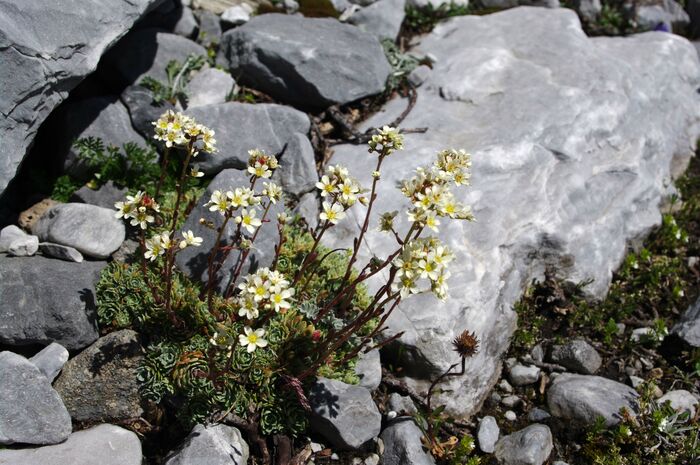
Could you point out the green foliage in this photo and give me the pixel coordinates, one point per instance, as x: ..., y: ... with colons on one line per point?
x: 64, y: 187
x: 423, y: 19
x: 401, y: 64
x: 656, y: 434
x: 178, y: 75
x: 182, y: 366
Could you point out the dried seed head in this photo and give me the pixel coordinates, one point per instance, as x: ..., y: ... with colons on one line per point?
x: 466, y: 344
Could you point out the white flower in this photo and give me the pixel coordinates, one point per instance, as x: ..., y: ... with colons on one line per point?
x: 259, y: 288
x: 326, y: 186
x: 332, y: 213
x: 348, y: 192
x: 282, y: 218
x: 195, y: 173
x: 260, y: 170
x: 141, y: 218
x: 218, y: 202
x: 241, y: 197
x: 248, y: 220
x: 272, y: 191
x: 124, y: 209
x: 248, y: 308
x: 279, y: 298
x: 154, y: 248
x: 190, y: 239
x: 252, y: 339
x: 386, y: 141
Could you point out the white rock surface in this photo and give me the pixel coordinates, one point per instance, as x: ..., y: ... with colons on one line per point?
x: 573, y: 142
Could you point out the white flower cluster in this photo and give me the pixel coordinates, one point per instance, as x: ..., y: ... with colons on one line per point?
x: 429, y: 190
x: 260, y: 164
x: 159, y: 244
x: 265, y: 289
x: 340, y: 191
x: 139, y: 208
x: 386, y: 141
x: 178, y: 130
x: 423, y: 258
x: 251, y: 339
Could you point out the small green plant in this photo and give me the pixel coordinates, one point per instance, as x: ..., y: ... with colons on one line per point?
x: 401, y: 64
x: 423, y: 19
x: 178, y: 75
x: 64, y: 187
x: 246, y: 350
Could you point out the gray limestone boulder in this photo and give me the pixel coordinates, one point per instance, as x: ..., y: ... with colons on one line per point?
x: 143, y: 111
x: 209, y: 86
x: 688, y: 328
x: 194, y: 260
x: 236, y: 15
x: 104, y: 196
x: 344, y: 414
x: 48, y: 47
x: 209, y: 27
x: 574, y: 141
x: 588, y: 9
x: 310, y: 62
x: 31, y: 412
x: 522, y: 375
x: 580, y: 399
x: 186, y: 25
x: 100, y: 383
x: 487, y: 434
x: 103, y: 444
x: 15, y: 241
x: 94, y: 231
x: 382, y: 19
x: 146, y: 52
x: 402, y: 444
x: 402, y: 405
x: 529, y: 446
x: 211, y: 445
x: 667, y: 12
x: 44, y: 301
x: 578, y: 356
x: 681, y: 400
x: 277, y: 129
x: 50, y: 360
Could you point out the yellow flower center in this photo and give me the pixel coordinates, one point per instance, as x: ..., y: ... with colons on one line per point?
x: 252, y: 338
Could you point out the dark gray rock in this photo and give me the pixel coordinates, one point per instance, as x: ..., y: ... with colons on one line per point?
x: 382, y: 19
x: 104, y: 196
x: 344, y: 414
x: 588, y: 9
x: 211, y: 445
x: 143, y: 112
x: 521, y: 375
x: 146, y: 52
x: 529, y: 446
x: 92, y: 230
x: 48, y: 47
x: 276, y: 129
x: 50, y: 360
x: 537, y: 415
x: 103, y: 444
x: 681, y: 400
x: 693, y: 9
x: 311, y: 62
x: 402, y: 444
x: 31, y: 412
x: 578, y: 356
x: 103, y: 117
x: 487, y: 434
x: 15, y: 241
x: 186, y: 25
x: 688, y: 327
x: 100, y: 383
x: 580, y: 399
x: 209, y: 28
x: 209, y: 86
x: 369, y: 369
x: 194, y: 260
x: 44, y: 300
x: 62, y: 252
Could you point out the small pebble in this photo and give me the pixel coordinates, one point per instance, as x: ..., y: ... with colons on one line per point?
x: 511, y: 401
x: 510, y: 415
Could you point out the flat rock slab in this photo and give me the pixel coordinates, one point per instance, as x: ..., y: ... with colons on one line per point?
x: 344, y: 414
x: 688, y: 328
x: 309, y: 62
x: 276, y: 129
x: 573, y: 140
x: 94, y: 231
x: 403, y: 445
x: 577, y: 355
x: 211, y: 445
x: 103, y: 444
x: 581, y: 399
x: 43, y: 300
x: 31, y: 412
x: 100, y: 383
x: 48, y: 47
